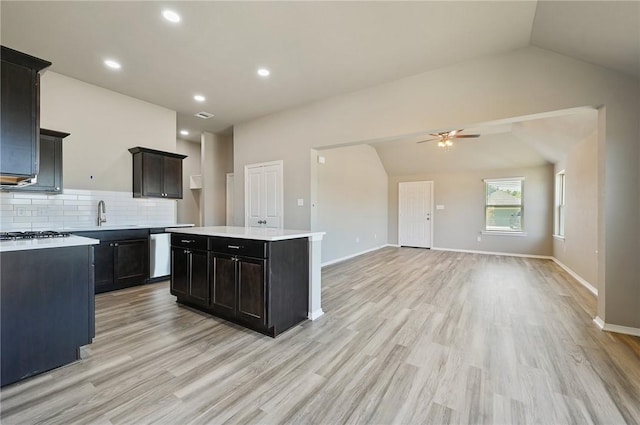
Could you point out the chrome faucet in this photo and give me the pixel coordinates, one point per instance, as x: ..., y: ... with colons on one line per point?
x: 101, y: 210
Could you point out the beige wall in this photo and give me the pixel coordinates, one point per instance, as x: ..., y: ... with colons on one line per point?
x: 523, y: 82
x: 578, y: 250
x: 351, y: 201
x: 459, y: 224
x: 217, y: 161
x: 103, y: 126
x: 188, y: 210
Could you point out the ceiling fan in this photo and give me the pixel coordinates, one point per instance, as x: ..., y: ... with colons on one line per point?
x: 445, y: 139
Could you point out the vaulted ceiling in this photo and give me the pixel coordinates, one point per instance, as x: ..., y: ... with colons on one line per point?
x: 314, y: 49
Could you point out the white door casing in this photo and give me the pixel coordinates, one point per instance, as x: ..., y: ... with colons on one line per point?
x: 415, y: 214
x: 230, y: 203
x: 264, y: 194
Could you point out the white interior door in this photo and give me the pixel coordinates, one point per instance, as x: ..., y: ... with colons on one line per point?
x: 263, y: 206
x: 415, y: 224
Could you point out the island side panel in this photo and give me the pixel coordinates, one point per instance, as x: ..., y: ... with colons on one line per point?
x: 289, y: 283
x: 46, y: 309
x: 315, y: 276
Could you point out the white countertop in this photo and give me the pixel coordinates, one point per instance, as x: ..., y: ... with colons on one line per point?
x: 257, y: 233
x: 26, y: 244
x: 121, y: 227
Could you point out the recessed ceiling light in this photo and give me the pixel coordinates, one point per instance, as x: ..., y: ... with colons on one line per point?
x: 171, y: 16
x: 184, y: 132
x: 199, y: 98
x: 112, y: 64
x: 264, y: 72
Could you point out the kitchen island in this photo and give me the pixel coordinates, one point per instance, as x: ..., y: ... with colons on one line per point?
x: 262, y: 278
x: 47, y: 304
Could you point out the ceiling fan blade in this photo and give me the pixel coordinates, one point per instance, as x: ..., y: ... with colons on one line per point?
x: 466, y: 136
x: 428, y: 140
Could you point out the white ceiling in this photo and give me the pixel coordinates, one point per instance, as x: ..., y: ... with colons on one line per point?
x: 314, y: 49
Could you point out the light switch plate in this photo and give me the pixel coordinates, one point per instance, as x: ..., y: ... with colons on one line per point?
x: 439, y: 207
x: 300, y: 202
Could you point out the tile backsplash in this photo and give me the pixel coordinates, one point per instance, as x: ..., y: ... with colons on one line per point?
x: 77, y: 208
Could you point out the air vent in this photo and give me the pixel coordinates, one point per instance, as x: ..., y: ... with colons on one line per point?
x: 204, y: 115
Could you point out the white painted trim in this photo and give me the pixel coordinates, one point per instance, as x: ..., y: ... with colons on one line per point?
x: 348, y: 257
x: 507, y: 254
x: 502, y: 233
x: 577, y: 277
x: 599, y: 322
x: 558, y: 237
x: 627, y: 330
x: 313, y: 315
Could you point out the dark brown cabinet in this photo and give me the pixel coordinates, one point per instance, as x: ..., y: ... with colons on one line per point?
x: 238, y: 287
x: 261, y: 285
x: 50, y: 175
x: 47, y: 309
x: 121, y: 258
x: 20, y: 115
x: 189, y: 274
x: 156, y: 174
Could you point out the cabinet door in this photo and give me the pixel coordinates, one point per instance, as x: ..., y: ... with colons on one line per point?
x: 50, y: 174
x: 104, y: 262
x: 223, y: 284
x: 172, y: 177
x: 199, y: 284
x: 251, y: 291
x: 152, y: 165
x: 179, y: 271
x: 19, y: 129
x: 132, y: 262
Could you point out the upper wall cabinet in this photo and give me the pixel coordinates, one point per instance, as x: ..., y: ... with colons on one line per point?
x: 20, y: 111
x: 156, y: 174
x: 50, y: 175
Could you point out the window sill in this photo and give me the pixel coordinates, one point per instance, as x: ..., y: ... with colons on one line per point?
x: 501, y: 233
x: 560, y: 238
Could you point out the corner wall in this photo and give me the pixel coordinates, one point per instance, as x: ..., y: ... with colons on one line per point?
x: 579, y: 248
x: 351, y: 202
x: 189, y: 205
x: 217, y: 160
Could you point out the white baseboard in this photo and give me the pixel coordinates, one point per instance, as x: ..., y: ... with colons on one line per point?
x: 627, y: 330
x: 313, y: 315
x: 348, y: 257
x: 507, y: 254
x: 577, y: 277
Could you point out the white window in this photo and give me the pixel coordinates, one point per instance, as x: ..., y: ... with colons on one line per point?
x: 504, y: 205
x: 559, y: 212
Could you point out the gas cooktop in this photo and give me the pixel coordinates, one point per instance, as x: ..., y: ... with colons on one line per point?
x: 10, y: 236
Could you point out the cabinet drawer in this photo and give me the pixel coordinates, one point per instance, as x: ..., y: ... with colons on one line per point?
x: 189, y: 241
x: 244, y: 247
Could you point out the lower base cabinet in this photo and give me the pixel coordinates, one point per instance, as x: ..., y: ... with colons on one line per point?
x: 261, y: 285
x: 121, y: 258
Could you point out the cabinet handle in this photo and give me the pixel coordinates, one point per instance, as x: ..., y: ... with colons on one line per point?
x: 57, y: 188
x: 187, y: 240
x: 186, y: 251
x: 115, y: 244
x: 234, y: 246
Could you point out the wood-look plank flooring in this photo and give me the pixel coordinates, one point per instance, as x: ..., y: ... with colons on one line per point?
x: 409, y: 336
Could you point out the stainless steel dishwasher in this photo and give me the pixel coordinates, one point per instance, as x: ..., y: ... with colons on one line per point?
x: 159, y: 254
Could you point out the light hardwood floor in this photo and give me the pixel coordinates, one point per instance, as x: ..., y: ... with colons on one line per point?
x: 409, y: 336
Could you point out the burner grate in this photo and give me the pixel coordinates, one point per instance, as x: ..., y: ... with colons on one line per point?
x: 44, y: 234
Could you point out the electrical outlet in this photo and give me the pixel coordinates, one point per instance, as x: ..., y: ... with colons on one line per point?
x: 21, y: 211
x: 357, y: 239
x: 479, y: 238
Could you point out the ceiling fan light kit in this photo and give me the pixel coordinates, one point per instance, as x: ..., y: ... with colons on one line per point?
x: 445, y: 139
